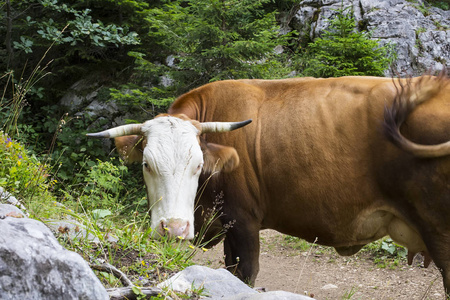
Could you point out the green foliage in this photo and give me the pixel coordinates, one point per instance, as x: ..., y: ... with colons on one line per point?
x: 82, y: 36
x: 349, y: 294
x: 218, y: 39
x: 424, y: 7
x: 445, y: 5
x: 425, y: 10
x: 82, y: 28
x: 100, y: 213
x: 386, y: 248
x: 101, y: 191
x: 21, y: 172
x: 295, y: 243
x: 386, y: 253
x: 203, y: 41
x: 69, y: 150
x: 343, y: 51
x: 13, y: 100
x: 103, y: 186
x: 27, y: 178
x: 70, y: 24
x: 393, y: 249
x: 147, y: 88
x: 70, y: 157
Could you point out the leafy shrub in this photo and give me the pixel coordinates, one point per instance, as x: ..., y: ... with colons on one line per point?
x: 65, y: 145
x: 23, y: 175
x: 101, y: 187
x: 343, y: 51
x: 21, y: 171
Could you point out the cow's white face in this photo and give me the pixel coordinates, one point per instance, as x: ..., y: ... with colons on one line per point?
x: 172, y: 159
x: 172, y: 163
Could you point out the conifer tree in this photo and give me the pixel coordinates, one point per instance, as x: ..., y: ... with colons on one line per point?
x: 219, y: 39
x: 342, y: 50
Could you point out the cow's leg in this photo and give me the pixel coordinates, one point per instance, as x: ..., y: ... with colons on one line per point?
x: 446, y: 276
x: 438, y: 248
x: 241, y: 249
x: 444, y: 267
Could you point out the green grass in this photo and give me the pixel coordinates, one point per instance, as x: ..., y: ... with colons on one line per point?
x: 349, y: 294
x: 295, y: 243
x: 384, y: 253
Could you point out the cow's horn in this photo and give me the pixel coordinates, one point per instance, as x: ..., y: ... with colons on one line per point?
x: 128, y: 129
x: 222, y: 126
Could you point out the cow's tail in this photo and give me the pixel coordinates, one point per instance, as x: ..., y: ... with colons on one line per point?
x: 409, y: 96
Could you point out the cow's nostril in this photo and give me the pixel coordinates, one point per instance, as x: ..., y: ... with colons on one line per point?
x: 185, y: 230
x: 174, y: 228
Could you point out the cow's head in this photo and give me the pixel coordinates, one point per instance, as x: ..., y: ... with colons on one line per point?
x: 173, y: 156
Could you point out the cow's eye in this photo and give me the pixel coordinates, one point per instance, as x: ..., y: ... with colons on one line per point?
x: 198, y: 169
x: 145, y: 165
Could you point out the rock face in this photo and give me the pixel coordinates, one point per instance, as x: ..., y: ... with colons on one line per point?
x: 33, y: 265
x: 419, y: 34
x: 84, y: 98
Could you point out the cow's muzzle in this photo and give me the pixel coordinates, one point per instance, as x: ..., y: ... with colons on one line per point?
x: 173, y: 228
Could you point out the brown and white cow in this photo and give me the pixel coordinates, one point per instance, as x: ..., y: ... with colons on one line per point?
x: 323, y: 159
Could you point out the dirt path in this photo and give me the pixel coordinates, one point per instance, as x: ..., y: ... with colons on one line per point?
x: 326, y: 275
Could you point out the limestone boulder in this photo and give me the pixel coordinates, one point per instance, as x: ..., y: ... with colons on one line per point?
x: 33, y: 265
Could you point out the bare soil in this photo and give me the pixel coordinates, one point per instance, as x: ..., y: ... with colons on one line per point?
x: 322, y: 274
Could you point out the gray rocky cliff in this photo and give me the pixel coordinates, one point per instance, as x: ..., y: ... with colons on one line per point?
x: 420, y: 34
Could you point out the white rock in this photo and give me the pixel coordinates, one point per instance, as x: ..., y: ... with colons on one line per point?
x: 329, y: 287
x: 216, y: 283
x: 221, y: 284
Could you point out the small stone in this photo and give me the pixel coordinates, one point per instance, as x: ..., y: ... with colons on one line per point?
x: 329, y: 287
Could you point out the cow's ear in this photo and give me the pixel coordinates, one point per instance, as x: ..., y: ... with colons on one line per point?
x: 219, y: 158
x: 130, y: 147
